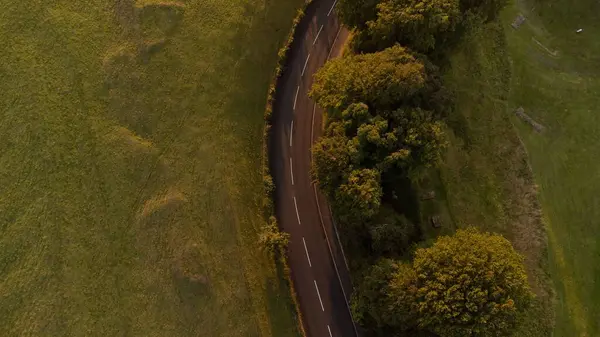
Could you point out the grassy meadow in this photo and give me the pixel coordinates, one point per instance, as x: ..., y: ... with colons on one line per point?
x: 556, y: 79
x: 537, y: 188
x: 484, y: 179
x: 130, y: 182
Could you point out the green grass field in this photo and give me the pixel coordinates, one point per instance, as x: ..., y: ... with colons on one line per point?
x: 501, y: 175
x: 130, y: 182
x: 555, y: 79
x: 484, y: 179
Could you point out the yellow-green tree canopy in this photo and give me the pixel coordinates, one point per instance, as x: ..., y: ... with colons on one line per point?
x: 470, y: 284
x: 379, y: 80
x: 331, y: 161
x: 358, y: 198
x: 271, y: 238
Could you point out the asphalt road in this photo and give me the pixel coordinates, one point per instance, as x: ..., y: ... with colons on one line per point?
x: 316, y: 258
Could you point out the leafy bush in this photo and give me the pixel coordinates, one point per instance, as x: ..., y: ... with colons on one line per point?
x: 272, y: 239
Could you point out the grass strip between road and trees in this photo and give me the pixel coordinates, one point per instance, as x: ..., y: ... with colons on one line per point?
x: 273, y: 239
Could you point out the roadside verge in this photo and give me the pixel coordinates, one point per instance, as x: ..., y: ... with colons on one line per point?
x: 279, y: 252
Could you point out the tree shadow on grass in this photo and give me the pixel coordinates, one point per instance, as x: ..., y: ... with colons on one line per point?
x: 400, y: 193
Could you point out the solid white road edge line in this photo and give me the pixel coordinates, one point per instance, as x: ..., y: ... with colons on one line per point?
x: 334, y: 3
x: 320, y: 29
x: 319, y: 294
x: 312, y: 130
x: 305, y: 63
x: 297, y: 214
x: 337, y: 272
x: 306, y: 250
x: 338, y: 238
x: 296, y: 98
x: 291, y: 171
x: 291, y: 132
x: 334, y: 41
x: 329, y: 329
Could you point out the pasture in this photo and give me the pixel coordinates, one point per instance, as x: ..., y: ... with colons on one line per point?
x: 484, y: 179
x: 556, y: 80
x: 538, y: 188
x: 130, y: 181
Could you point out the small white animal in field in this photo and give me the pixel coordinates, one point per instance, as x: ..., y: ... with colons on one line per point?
x: 579, y: 30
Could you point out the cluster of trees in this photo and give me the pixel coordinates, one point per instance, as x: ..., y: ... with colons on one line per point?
x: 471, y: 284
x: 422, y: 25
x: 385, y: 108
x: 383, y: 123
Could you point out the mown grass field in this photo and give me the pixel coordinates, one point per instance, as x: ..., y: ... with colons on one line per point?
x: 556, y: 80
x: 130, y: 182
x: 484, y: 179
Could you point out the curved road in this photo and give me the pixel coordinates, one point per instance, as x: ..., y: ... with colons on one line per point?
x: 319, y: 269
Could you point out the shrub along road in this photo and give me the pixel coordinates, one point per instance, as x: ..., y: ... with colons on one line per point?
x: 319, y: 272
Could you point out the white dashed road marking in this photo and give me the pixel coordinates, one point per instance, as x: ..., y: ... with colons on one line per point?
x: 328, y: 328
x: 291, y: 172
x: 320, y: 29
x: 306, y: 250
x: 305, y: 63
x: 296, y: 98
x: 332, y: 7
x: 312, y: 126
x: 334, y: 41
x: 319, y: 294
x: 291, y: 132
x: 297, y: 214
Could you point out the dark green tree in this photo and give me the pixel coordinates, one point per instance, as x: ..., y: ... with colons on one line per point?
x: 413, y: 23
x: 356, y: 13
x: 486, y: 9
x: 410, y: 140
x: 405, y: 141
x: 381, y: 80
x: 373, y: 307
x: 391, y: 233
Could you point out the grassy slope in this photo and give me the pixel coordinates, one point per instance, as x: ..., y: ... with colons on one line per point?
x: 129, y: 168
x: 484, y: 180
x: 556, y: 82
